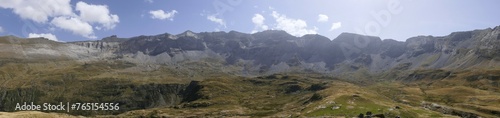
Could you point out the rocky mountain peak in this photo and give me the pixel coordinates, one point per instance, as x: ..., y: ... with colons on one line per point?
x: 188, y: 33
x: 316, y: 37
x: 274, y: 35
x: 356, y: 39
x: 113, y: 38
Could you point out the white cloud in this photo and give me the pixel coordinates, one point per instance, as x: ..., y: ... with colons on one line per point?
x: 1, y: 29
x: 160, y: 14
x: 38, y: 10
x: 97, y: 14
x: 271, y: 8
x: 258, y: 21
x: 74, y: 25
x: 322, y: 18
x: 48, y: 36
x: 216, y: 20
x: 63, y: 16
x: 336, y: 25
x: 149, y: 1
x: 296, y: 27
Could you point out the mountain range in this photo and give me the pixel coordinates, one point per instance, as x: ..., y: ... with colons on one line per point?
x: 202, y: 73
x: 275, y: 51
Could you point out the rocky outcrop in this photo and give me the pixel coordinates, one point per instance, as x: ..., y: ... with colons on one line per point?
x: 191, y: 93
x: 99, y: 45
x: 448, y: 110
x: 128, y: 96
x: 107, y: 44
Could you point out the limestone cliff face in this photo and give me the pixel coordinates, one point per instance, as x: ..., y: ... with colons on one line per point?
x: 107, y: 44
x: 99, y: 45
x: 42, y: 49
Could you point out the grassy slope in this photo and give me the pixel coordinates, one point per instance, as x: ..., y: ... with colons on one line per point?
x: 474, y: 91
x: 266, y: 96
x: 224, y: 94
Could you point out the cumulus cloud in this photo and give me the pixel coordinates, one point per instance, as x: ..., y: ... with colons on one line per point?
x: 61, y: 15
x: 75, y: 25
x: 322, y: 18
x: 258, y: 21
x: 216, y: 20
x: 160, y: 14
x: 97, y: 14
x: 336, y: 25
x: 1, y: 29
x: 296, y: 27
x: 149, y: 1
x: 38, y: 10
x: 47, y: 35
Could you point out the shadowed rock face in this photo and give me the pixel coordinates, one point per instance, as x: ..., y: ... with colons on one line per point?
x: 392, y: 48
x: 264, y: 48
x: 164, y: 43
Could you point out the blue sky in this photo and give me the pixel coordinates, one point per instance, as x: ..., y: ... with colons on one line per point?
x: 74, y: 20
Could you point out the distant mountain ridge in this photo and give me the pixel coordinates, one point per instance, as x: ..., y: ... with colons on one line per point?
x: 275, y: 51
